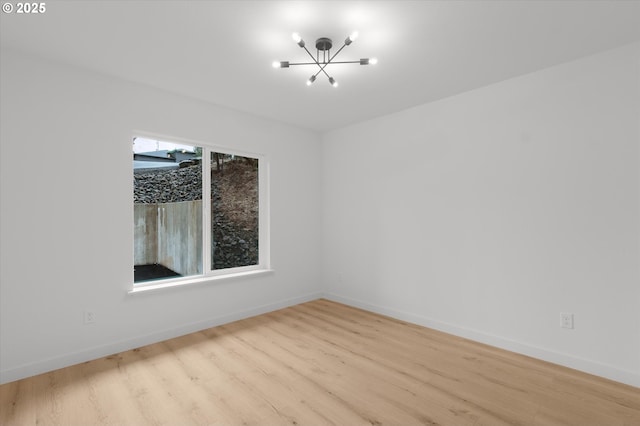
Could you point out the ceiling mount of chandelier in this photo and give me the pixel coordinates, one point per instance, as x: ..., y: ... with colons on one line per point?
x: 324, y: 57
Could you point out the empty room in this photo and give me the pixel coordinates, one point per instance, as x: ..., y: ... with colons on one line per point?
x: 320, y: 213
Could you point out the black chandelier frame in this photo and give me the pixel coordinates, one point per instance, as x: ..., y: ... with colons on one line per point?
x: 323, y: 48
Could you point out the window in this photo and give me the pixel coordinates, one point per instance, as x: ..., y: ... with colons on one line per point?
x: 234, y: 211
x: 198, y: 212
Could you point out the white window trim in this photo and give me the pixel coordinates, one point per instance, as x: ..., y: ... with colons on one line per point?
x: 165, y: 284
x: 210, y: 275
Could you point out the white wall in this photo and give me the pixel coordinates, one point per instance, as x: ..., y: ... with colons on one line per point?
x: 489, y: 213
x: 67, y: 216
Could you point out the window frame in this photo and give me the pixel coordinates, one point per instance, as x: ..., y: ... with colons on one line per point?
x: 208, y: 273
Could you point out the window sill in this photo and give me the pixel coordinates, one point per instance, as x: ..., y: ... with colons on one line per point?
x: 173, y: 284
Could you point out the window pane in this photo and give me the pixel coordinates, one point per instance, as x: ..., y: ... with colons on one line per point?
x: 234, y: 211
x: 167, y: 197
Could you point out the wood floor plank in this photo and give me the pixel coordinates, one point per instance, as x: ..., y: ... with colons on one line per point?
x: 318, y: 363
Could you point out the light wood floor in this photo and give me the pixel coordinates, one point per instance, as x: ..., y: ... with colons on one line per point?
x: 315, y: 364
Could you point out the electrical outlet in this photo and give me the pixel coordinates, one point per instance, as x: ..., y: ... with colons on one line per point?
x: 89, y: 317
x: 566, y: 320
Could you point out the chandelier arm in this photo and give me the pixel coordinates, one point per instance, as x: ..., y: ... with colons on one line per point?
x: 336, y: 54
x: 343, y: 62
x: 325, y: 73
x: 322, y: 65
x: 310, y: 55
x: 304, y: 63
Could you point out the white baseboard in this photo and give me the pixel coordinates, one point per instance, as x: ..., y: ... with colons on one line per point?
x: 591, y: 367
x: 32, y: 369
x: 602, y: 370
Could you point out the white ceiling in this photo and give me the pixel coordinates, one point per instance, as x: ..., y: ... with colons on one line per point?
x: 221, y: 51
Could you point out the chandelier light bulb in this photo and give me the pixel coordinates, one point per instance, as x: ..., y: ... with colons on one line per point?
x: 311, y: 80
x: 352, y: 37
x: 333, y: 82
x: 275, y: 64
x: 296, y: 37
x: 373, y: 61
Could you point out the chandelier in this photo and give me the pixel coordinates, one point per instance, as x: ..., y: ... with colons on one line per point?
x: 324, y: 57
